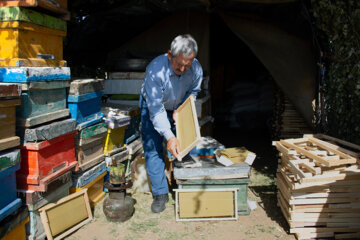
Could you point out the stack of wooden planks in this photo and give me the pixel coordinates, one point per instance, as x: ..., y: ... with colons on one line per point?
x: 287, y: 121
x: 319, y: 187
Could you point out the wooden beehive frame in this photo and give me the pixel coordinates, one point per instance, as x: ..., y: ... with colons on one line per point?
x: 60, y: 204
x: 187, y: 127
x: 235, y: 202
x: 319, y: 151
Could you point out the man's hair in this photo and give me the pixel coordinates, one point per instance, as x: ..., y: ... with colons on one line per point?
x: 184, y: 45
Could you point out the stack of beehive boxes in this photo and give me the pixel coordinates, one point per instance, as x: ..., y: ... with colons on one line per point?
x: 318, y: 187
x: 84, y: 102
x: 31, y: 55
x: 9, y: 156
x: 123, y: 89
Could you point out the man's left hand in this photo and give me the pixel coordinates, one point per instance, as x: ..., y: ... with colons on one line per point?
x: 173, y: 146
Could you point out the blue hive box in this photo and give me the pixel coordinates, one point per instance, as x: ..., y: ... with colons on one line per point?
x: 33, y: 74
x: 85, y: 107
x: 8, y: 200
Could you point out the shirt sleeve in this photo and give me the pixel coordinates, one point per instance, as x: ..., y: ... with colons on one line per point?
x: 153, y: 94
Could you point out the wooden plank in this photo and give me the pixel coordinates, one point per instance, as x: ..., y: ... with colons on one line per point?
x: 46, y: 131
x: 10, y: 102
x: 348, y: 235
x: 66, y: 215
x: 187, y: 127
x: 283, y: 149
x: 329, y: 148
x: 322, y: 201
x: 10, y: 90
x: 336, y: 140
x: 314, y: 235
x: 298, y: 195
x: 83, y: 86
x: 330, y: 177
x: 9, y: 158
x: 323, y: 229
x: 10, y: 142
x: 127, y: 75
x: 47, y: 117
x: 28, y: 86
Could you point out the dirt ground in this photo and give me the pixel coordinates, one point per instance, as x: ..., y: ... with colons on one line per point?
x: 265, y: 222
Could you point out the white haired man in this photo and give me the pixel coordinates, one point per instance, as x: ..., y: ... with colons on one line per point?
x: 170, y: 78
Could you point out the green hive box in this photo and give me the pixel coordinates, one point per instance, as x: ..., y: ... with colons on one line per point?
x: 210, y: 175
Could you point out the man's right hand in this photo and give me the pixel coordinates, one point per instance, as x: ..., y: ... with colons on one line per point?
x: 173, y: 146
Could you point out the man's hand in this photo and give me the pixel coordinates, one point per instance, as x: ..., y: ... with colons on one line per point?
x: 173, y: 146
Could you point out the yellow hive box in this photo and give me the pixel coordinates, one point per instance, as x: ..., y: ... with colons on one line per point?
x: 95, y: 190
x: 25, y: 43
x: 18, y: 233
x: 114, y: 139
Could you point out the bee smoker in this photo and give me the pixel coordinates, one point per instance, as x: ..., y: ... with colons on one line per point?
x: 118, y: 207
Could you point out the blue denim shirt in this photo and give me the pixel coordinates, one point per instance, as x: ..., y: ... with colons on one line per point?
x: 164, y: 91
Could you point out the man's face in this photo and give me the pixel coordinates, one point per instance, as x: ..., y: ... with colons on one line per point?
x: 179, y: 63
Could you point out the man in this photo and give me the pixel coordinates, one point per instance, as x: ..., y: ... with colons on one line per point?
x: 170, y: 78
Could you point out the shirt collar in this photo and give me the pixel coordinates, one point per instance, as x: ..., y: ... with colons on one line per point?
x: 172, y: 73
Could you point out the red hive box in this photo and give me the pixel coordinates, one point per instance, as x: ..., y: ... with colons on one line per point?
x: 44, y: 161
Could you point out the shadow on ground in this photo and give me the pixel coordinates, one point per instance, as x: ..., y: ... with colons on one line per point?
x: 258, y: 141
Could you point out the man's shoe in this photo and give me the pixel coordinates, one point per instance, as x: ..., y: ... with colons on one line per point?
x: 158, y: 204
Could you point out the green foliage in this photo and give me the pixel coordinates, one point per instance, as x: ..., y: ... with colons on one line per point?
x: 337, y: 26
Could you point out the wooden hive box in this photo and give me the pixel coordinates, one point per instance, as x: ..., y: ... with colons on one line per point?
x: 57, y: 8
x: 80, y: 179
x: 211, y: 176
x: 8, y: 201
x: 85, y: 107
x: 90, y: 145
x: 114, y: 140
x: 27, y: 15
x: 83, y: 86
x: 19, y: 232
x: 124, y: 85
x: 42, y: 102
x: 33, y: 74
x: 13, y: 227
x: 9, y: 158
x: 35, y: 200
x: 95, y: 189
x: 42, y: 162
x: 30, y: 45
x: 132, y: 130
x: 8, y: 119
